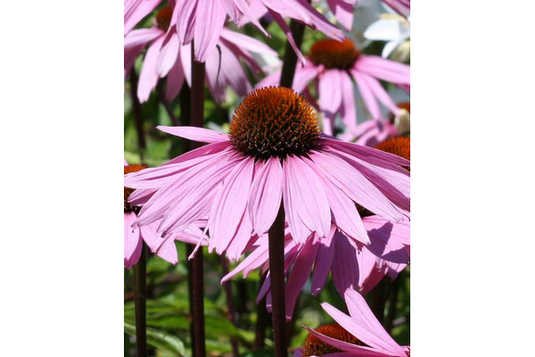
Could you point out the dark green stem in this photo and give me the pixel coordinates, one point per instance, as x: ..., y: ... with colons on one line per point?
x: 278, y: 297
x: 140, y: 301
x: 197, y: 119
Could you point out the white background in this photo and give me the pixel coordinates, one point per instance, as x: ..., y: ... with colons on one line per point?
x: 61, y: 113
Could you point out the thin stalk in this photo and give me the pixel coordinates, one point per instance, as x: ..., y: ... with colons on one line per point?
x: 140, y: 301
x: 230, y: 304
x: 189, y: 265
x: 278, y: 297
x: 136, y: 109
x: 198, y: 72
x: 378, y: 299
x: 261, y: 320
x: 392, y: 304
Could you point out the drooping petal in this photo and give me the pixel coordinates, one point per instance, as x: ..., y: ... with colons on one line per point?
x: 349, y: 115
x: 344, y: 212
x: 309, y: 197
x: 232, y: 205
x: 367, y: 95
x: 330, y: 92
x: 266, y: 195
x: 241, y: 239
x: 357, y: 187
x: 360, y: 331
x: 148, y: 76
x: 343, y: 11
x: 286, y: 29
x: 168, y: 56
x: 210, y: 18
x: 353, y: 350
x: 131, y: 236
x: 367, y: 323
x: 322, y: 266
x: 247, y: 43
x: 345, y: 268
x: 175, y: 80
x: 142, y: 36
x: 194, y: 133
x: 134, y: 11
x: 299, y: 274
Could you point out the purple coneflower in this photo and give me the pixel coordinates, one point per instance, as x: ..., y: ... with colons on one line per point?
x: 273, y: 154
x: 203, y: 20
x: 223, y: 68
x: 357, y: 335
x: 331, y: 66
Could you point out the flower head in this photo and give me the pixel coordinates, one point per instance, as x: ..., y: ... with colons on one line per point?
x: 238, y: 182
x: 332, y: 65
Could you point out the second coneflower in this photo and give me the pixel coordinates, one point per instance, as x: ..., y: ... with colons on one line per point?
x: 273, y: 152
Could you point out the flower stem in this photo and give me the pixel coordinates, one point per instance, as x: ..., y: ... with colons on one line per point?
x: 136, y: 109
x: 261, y: 320
x: 290, y: 57
x: 230, y: 304
x: 278, y: 298
x: 140, y: 301
x: 198, y: 72
x: 166, y: 104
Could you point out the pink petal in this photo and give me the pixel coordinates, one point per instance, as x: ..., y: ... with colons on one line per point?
x: 366, y: 324
x: 299, y: 274
x: 195, y: 134
x: 356, y: 186
x: 305, y: 74
x: 131, y: 236
x: 321, y: 23
x: 367, y: 95
x: 322, y: 266
x: 384, y: 69
x: 309, y: 197
x: 165, y: 249
x: 175, y: 80
x: 247, y: 43
x: 185, y: 15
x: 330, y: 92
x: 254, y: 260
x: 349, y: 115
x: 354, y: 350
x: 210, y: 18
x: 250, y: 12
x: 345, y: 268
x: 232, y: 205
x: 380, y: 93
x: 148, y: 76
x: 241, y: 238
x: 286, y: 29
x: 136, y: 11
x: 266, y: 195
x: 142, y: 36
x: 344, y: 212
x: 343, y: 11
x: 168, y: 56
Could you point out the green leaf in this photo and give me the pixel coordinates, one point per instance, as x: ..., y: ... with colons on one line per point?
x: 159, y: 339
